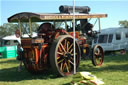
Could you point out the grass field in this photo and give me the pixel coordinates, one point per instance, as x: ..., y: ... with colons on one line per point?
x: 113, y: 72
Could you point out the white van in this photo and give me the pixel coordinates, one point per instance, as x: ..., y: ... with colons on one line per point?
x: 10, y: 41
x: 112, y: 39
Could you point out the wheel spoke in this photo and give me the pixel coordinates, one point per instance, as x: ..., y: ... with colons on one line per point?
x: 98, y: 51
x: 100, y: 59
x: 59, y: 53
x: 73, y: 54
x: 63, y: 47
x: 97, y: 61
x: 60, y: 61
x: 65, y: 44
x: 71, y: 51
x: 60, y: 49
x: 67, y: 67
x: 70, y: 47
x: 71, y: 58
x: 96, y: 54
x: 58, y: 57
x: 71, y: 62
x: 61, y: 66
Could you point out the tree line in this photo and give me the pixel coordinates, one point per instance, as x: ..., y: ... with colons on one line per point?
x: 123, y: 23
x: 9, y: 28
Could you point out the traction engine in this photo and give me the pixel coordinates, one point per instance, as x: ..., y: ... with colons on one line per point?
x: 53, y: 47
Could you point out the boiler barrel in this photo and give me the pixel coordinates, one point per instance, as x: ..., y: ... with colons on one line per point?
x: 69, y: 9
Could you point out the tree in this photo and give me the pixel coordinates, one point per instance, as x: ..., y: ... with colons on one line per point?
x: 2, y: 31
x: 124, y: 23
x: 25, y: 27
x: 9, y: 28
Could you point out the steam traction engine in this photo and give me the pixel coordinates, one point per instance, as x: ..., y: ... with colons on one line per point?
x: 53, y: 45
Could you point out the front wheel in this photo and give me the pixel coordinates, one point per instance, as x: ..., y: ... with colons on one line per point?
x: 98, y: 56
x: 62, y: 57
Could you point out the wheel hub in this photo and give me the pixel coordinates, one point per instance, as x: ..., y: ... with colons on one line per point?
x: 67, y: 56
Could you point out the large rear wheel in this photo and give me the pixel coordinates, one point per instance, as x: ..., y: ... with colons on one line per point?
x: 62, y: 57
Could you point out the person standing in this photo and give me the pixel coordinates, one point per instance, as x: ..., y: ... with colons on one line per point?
x: 20, y: 56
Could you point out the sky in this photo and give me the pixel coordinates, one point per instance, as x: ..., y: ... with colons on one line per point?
x: 115, y: 9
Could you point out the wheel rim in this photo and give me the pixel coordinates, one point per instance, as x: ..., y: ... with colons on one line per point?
x: 64, y: 57
x: 98, y: 56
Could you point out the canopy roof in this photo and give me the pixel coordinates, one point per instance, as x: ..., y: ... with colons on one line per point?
x: 38, y: 17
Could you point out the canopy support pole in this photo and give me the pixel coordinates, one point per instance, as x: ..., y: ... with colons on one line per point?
x: 66, y: 25
x: 99, y: 25
x: 20, y: 28
x: 30, y: 27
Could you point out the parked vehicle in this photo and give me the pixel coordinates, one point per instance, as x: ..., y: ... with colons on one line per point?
x: 53, y: 47
x: 11, y: 40
x: 0, y: 42
x: 112, y: 39
x: 0, y: 46
x: 8, y: 48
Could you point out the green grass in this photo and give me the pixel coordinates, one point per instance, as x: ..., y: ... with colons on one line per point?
x: 113, y: 72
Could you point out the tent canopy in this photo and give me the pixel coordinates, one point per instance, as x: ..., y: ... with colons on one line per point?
x: 38, y: 17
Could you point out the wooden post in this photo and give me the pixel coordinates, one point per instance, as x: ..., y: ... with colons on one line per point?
x: 30, y: 27
x: 99, y: 25
x: 66, y: 25
x: 20, y: 27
